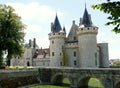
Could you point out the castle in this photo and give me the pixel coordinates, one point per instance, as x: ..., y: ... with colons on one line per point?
x: 79, y: 49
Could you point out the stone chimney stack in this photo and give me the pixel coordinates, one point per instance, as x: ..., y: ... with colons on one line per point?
x: 30, y: 43
x: 34, y: 43
x: 52, y: 25
x: 80, y: 21
x: 73, y: 21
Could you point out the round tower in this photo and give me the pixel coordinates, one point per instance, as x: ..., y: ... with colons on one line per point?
x: 87, y: 42
x: 57, y: 40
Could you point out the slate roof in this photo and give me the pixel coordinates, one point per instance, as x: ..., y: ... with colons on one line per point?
x: 86, y: 21
x: 56, y: 25
x: 42, y: 51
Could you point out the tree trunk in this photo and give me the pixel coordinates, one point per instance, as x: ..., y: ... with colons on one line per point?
x: 1, y: 58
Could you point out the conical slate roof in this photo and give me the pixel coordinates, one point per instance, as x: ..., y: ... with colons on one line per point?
x: 86, y: 21
x: 57, y: 26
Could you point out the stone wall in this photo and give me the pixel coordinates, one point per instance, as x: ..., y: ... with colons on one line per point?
x: 79, y: 77
x: 18, y: 77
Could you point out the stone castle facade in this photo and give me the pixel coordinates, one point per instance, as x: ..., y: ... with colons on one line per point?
x: 79, y: 49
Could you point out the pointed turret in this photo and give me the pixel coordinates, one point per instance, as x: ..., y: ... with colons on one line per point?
x: 57, y: 38
x: 86, y: 20
x: 87, y: 41
x: 56, y: 26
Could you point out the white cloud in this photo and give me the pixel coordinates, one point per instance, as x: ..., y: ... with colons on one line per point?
x: 43, y: 42
x: 34, y: 10
x: 33, y: 28
x: 114, y: 54
x: 35, y: 16
x: 114, y: 40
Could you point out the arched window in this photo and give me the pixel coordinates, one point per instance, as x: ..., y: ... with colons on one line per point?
x: 28, y: 63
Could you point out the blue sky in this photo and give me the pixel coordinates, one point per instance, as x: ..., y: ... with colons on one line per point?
x: 38, y: 15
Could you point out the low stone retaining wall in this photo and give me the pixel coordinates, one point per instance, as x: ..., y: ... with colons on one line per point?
x: 18, y: 77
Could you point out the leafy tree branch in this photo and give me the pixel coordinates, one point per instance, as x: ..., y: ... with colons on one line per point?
x: 113, y: 9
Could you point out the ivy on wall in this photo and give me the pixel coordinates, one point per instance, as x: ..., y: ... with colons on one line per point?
x: 65, y: 59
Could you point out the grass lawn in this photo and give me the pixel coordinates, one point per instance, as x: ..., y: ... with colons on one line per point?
x: 93, y: 83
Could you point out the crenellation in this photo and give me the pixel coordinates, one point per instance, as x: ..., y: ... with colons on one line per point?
x: 71, y: 45
x: 57, y: 35
x: 87, y: 30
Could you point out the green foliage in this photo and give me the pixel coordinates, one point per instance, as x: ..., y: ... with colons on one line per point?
x: 116, y: 64
x: 113, y: 9
x: 11, y: 32
x: 65, y: 60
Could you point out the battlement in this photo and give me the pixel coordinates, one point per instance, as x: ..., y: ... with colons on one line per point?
x: 87, y: 30
x: 57, y: 35
x: 71, y: 45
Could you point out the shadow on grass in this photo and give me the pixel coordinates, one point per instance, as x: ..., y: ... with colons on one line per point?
x: 64, y: 85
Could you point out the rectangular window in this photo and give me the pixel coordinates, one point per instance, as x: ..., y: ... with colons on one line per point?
x: 74, y: 53
x: 43, y: 64
x: 75, y: 63
x: 52, y: 53
x: 60, y: 63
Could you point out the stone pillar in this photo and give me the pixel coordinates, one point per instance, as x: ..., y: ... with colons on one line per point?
x: 108, y: 83
x: 74, y: 83
x: 45, y: 75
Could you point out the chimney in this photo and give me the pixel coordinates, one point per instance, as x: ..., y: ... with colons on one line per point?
x: 52, y: 25
x: 80, y: 21
x: 34, y: 43
x: 73, y: 21
x: 29, y: 42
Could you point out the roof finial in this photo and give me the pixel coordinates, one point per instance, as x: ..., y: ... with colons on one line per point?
x: 85, y: 4
x: 56, y: 12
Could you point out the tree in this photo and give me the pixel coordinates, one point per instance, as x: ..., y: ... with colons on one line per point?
x: 11, y: 32
x: 113, y: 9
x: 115, y: 64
